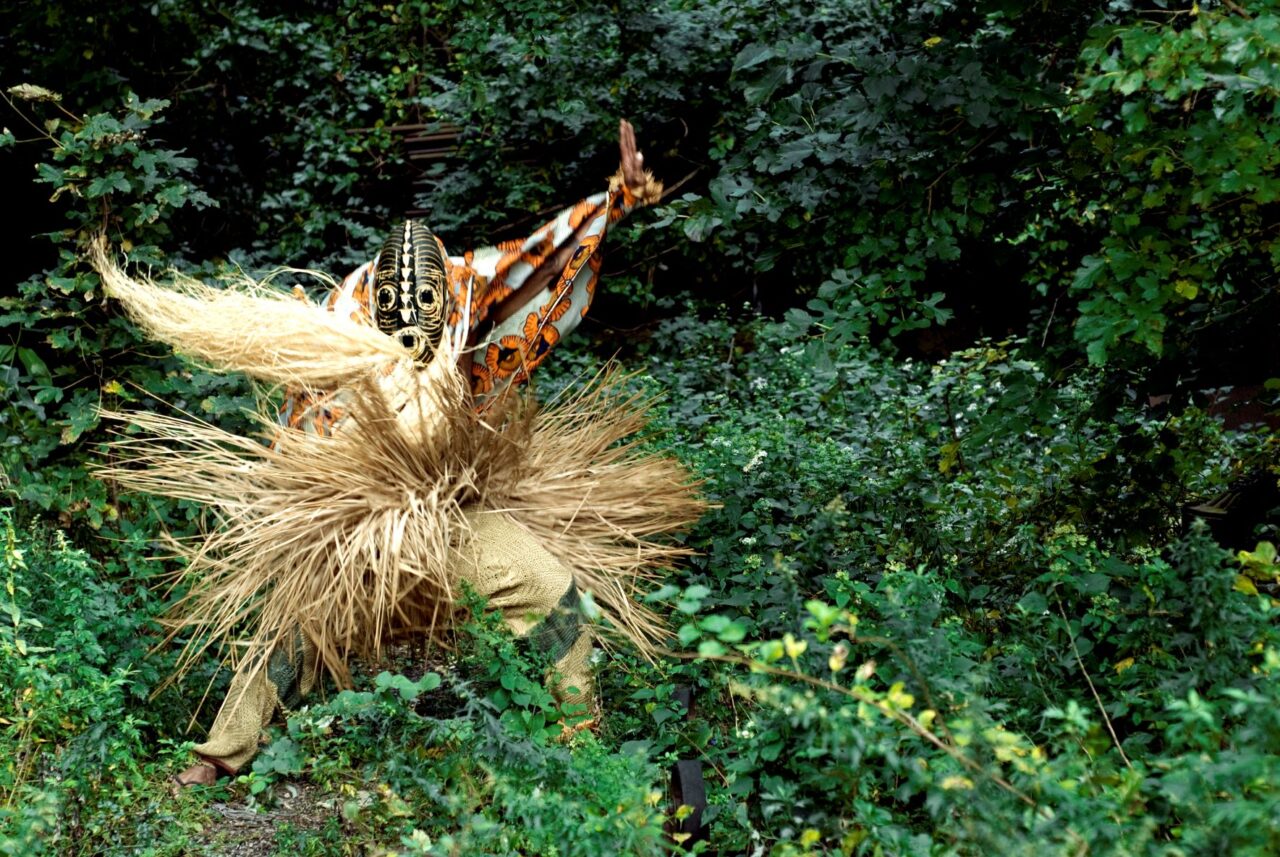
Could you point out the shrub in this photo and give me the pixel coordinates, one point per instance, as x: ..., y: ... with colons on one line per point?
x: 80, y: 772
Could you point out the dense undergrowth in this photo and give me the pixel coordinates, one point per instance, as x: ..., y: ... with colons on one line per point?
x: 923, y: 631
x: 958, y: 602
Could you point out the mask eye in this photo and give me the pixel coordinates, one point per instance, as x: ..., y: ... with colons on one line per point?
x: 426, y: 297
x: 387, y: 297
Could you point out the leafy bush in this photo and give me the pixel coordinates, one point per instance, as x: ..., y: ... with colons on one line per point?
x: 68, y: 354
x: 944, y: 605
x: 76, y: 676
x: 922, y: 590
x: 484, y: 764
x: 1160, y: 225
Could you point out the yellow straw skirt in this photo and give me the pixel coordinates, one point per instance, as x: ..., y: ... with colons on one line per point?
x: 353, y: 537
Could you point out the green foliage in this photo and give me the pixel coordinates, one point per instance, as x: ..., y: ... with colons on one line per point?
x: 974, y: 545
x: 918, y: 579
x: 943, y: 606
x: 69, y: 354
x: 870, y: 149
x: 930, y: 500
x: 1092, y: 168
x: 478, y: 766
x: 1161, y: 219
x: 75, y: 677
x: 514, y: 679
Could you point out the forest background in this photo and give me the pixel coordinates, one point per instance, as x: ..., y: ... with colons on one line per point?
x: 964, y: 312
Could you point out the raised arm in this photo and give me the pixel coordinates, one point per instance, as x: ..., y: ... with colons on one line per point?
x: 511, y: 303
x: 524, y: 296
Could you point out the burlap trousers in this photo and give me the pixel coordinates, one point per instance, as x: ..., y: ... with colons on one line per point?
x: 502, y: 562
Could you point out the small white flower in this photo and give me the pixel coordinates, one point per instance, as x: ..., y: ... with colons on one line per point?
x: 755, y: 461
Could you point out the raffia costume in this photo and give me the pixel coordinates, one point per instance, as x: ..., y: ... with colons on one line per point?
x: 404, y: 466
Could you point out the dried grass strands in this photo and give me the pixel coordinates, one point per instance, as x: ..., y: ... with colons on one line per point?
x: 351, y: 537
x: 345, y: 537
x: 248, y: 328
x: 602, y: 504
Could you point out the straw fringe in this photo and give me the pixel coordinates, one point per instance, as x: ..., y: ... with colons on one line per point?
x: 347, y: 536
x: 601, y: 503
x: 351, y: 536
x: 245, y: 327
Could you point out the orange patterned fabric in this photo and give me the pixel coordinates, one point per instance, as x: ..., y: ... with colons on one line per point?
x: 511, y: 303
x: 510, y: 340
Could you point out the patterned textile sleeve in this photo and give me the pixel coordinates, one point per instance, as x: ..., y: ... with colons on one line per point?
x: 511, y: 303
x: 353, y: 296
x: 518, y: 299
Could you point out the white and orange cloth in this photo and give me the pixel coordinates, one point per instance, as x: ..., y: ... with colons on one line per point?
x: 510, y: 304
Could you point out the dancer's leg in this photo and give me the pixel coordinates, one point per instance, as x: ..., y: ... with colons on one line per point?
x: 535, y: 593
x: 248, y: 708
x: 503, y: 563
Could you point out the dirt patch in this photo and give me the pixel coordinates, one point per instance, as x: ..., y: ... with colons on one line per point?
x: 242, y: 829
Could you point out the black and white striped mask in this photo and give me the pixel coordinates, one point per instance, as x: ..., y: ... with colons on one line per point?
x: 410, y: 290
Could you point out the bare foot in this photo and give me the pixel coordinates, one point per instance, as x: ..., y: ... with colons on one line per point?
x: 200, y: 774
x: 591, y: 724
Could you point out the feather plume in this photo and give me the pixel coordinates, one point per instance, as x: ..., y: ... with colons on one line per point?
x: 647, y: 193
